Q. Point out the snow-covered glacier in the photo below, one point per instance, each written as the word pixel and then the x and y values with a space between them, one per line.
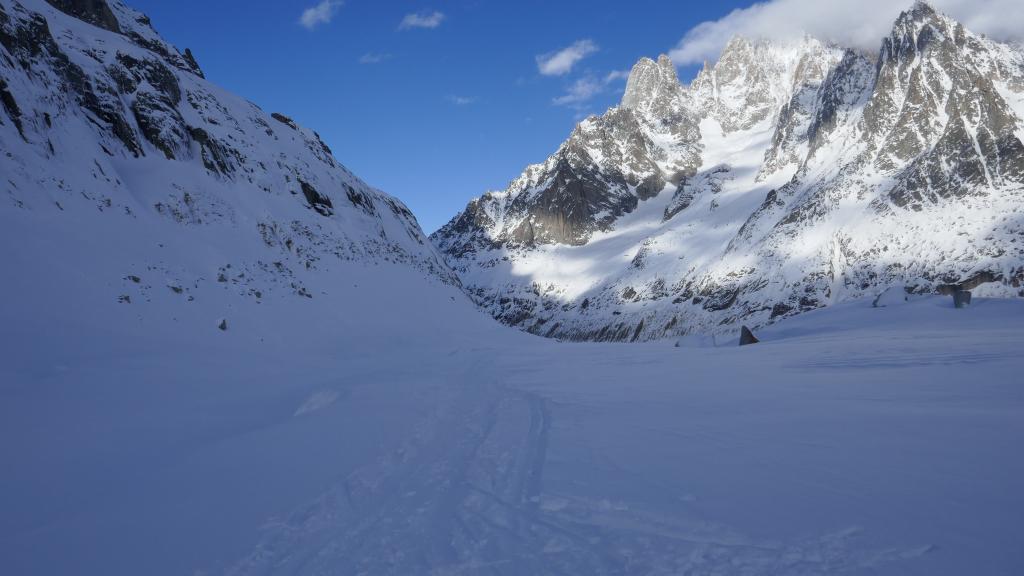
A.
pixel 221 353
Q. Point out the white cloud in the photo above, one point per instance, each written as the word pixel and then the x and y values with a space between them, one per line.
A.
pixel 422 20
pixel 322 13
pixel 374 58
pixel 616 75
pixel 461 100
pixel 853 23
pixel 561 62
pixel 580 92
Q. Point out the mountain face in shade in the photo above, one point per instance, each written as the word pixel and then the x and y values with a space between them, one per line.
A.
pixel 786 177
pixel 112 136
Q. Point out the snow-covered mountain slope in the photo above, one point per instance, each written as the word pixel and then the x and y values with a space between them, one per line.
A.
pixel 132 185
pixel 786 177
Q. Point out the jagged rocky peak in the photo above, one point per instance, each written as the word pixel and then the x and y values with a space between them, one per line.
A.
pixel 805 174
pixel 920 14
pixel 938 105
pixel 754 77
pixel 652 86
pixel 104 122
pixel 608 165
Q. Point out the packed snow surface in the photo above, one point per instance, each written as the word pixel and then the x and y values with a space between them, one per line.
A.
pixel 222 353
pixel 416 436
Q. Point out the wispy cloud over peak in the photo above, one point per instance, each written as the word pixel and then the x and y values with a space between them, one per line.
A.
pixel 617 75
pixel 582 91
pixel 561 62
pixel 857 24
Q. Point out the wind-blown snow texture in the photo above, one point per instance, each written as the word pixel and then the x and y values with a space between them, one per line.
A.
pixel 784 178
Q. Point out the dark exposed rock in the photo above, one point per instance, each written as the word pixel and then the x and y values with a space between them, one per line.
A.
pixel 317 201
pixel 285 120
pixel 155 106
pixel 710 181
pixel 155 73
pixel 95 12
pixel 844 86
pixel 29 41
pixel 567 210
pixel 636 333
pixel 191 61
pixel 161 124
pixel 961 299
pixel 747 337
pixel 970 283
pixel 359 200
pixel 215 155
pixel 780 309
pixel 11 107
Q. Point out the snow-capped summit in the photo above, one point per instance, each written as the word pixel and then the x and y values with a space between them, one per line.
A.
pixel 754 78
pixel 653 87
pixel 790 176
pixel 607 166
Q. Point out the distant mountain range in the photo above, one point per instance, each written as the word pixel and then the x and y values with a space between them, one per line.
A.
pixel 786 177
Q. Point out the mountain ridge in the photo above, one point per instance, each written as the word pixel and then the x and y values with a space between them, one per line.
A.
pixel 809 174
pixel 112 135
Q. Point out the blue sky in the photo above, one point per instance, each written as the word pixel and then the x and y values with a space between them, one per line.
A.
pixel 433 115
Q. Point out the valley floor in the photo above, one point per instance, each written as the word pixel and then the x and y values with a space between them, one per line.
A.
pixel 851 441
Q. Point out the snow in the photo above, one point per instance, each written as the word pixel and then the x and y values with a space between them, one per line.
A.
pixel 372 432
pixel 694 238
pixel 359 415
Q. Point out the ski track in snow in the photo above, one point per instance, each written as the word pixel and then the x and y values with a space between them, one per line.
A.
pixel 853 440
pixel 356 414
pixel 468 493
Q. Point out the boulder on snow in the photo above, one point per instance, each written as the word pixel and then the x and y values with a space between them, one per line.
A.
pixel 223 324
pixel 747 337
pixel 892 296
pixel 962 298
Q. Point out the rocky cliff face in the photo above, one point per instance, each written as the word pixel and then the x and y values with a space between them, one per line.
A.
pixel 110 133
pixel 604 170
pixel 796 175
